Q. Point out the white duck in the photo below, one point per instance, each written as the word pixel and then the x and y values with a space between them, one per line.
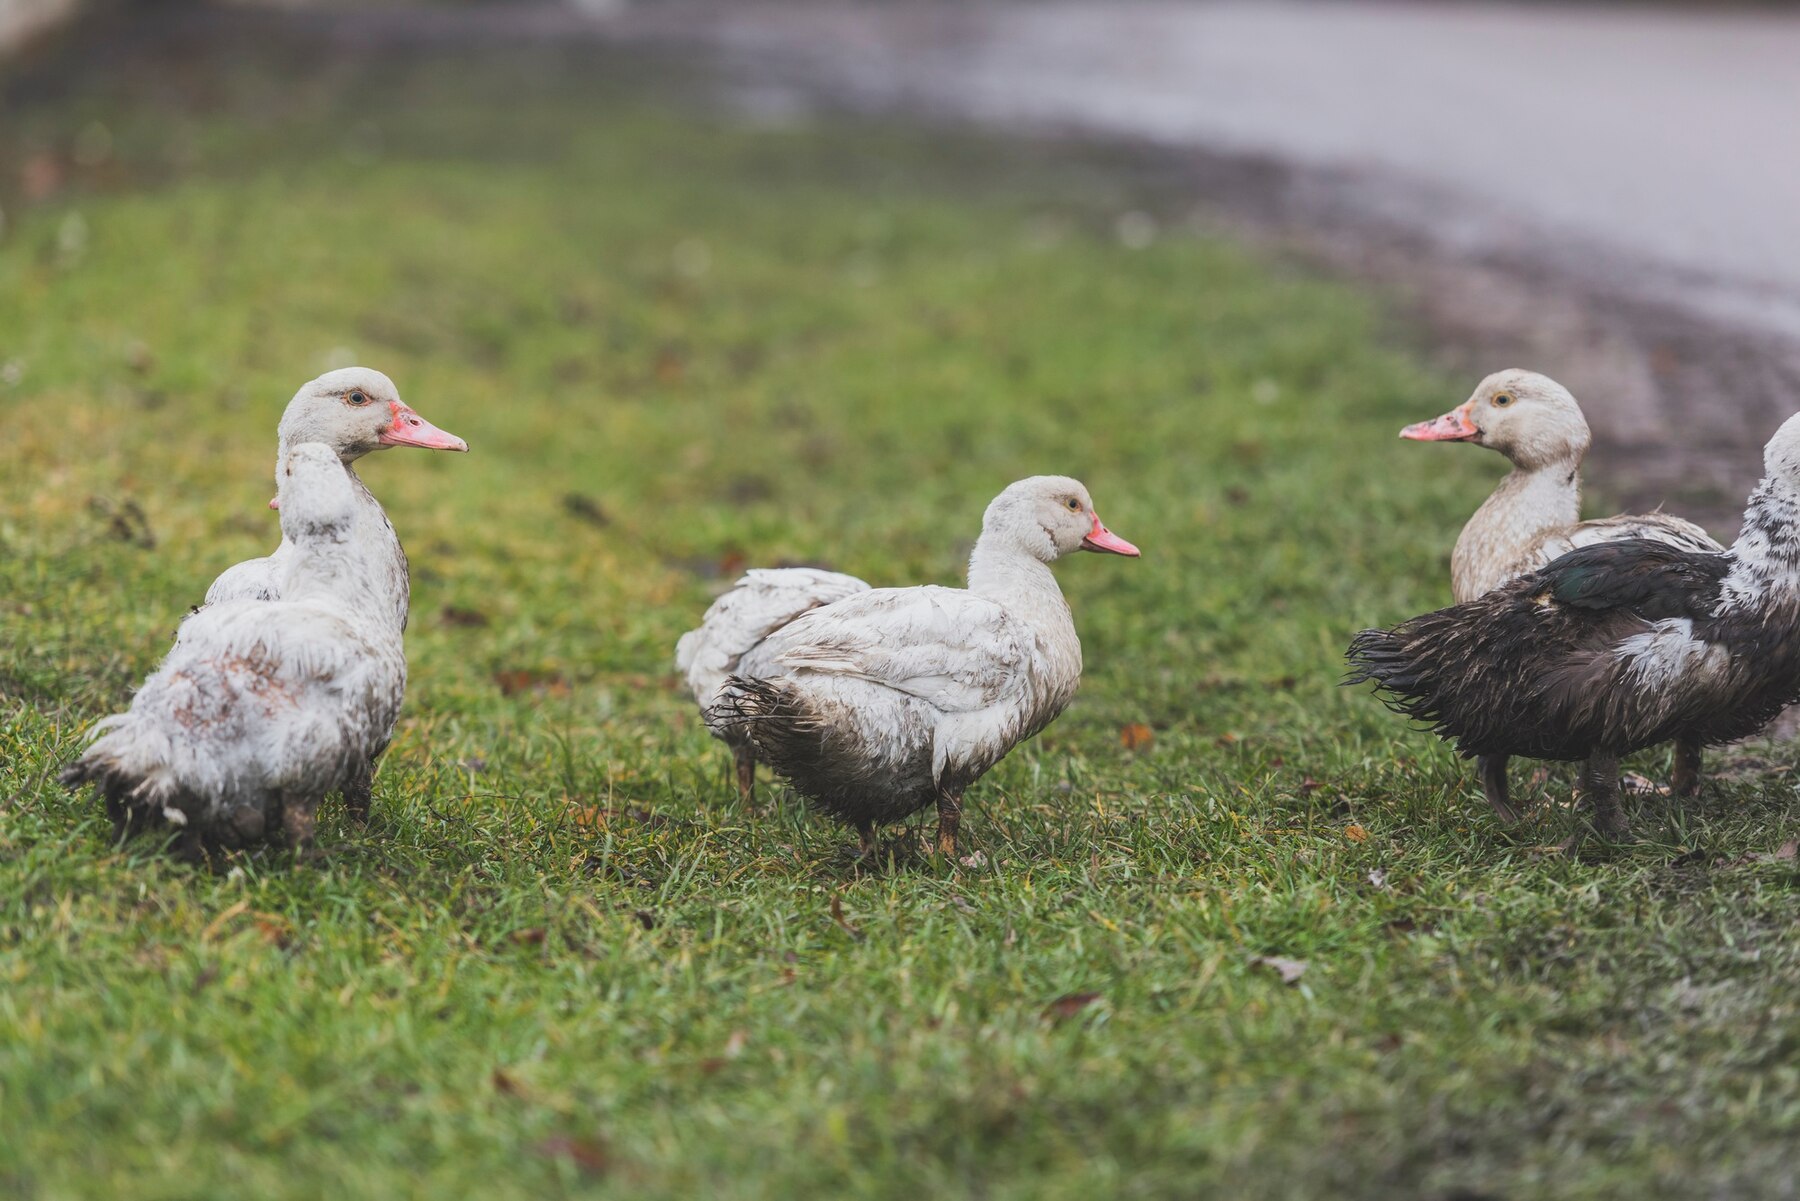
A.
pixel 263 707
pixel 897 698
pixel 356 411
pixel 760 603
pixel 1534 515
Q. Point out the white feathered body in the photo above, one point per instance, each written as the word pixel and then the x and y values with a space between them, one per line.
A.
pixel 262 703
pixel 757 605
pixel 875 704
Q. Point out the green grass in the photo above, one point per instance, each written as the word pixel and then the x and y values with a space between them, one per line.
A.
pixel 563 959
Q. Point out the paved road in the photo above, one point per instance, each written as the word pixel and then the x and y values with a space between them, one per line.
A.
pixel 1670 140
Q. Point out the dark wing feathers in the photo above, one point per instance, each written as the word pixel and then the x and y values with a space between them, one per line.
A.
pixel 1652 579
pixel 1532 668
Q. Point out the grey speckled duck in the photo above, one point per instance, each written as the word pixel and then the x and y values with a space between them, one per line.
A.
pixel 1534 515
pixel 264 706
pixel 1613 647
pixel 356 411
pixel 891 700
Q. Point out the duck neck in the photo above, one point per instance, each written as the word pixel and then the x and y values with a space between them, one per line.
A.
pixel 1024 586
pixel 1765 559
pixel 1528 502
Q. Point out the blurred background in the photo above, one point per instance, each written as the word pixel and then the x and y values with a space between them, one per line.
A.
pixel 1604 192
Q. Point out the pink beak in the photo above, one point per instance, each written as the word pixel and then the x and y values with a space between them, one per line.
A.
pixel 1453 426
pixel 1106 542
pixel 410 429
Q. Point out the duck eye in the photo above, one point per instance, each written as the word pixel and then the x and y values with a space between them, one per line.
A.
pixel 1502 399
pixel 357 397
pixel 1074 505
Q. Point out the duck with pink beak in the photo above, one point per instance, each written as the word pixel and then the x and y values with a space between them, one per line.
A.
pixel 1534 514
pixel 355 411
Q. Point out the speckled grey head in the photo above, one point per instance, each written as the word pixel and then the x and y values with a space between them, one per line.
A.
pixel 1050 516
pixel 1529 418
pixel 1781 457
pixel 356 411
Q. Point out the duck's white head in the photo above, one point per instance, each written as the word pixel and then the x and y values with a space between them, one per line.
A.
pixel 1529 418
pixel 356 411
pixel 1049 516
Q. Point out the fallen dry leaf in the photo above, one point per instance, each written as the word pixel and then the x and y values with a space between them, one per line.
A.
pixel 505 1085
pixel 1136 736
pixel 275 930
pixel 837 915
pixel 1641 785
pixel 1356 833
pixel 1069 1005
pixel 586 508
pixel 588 1154
pixel 1290 970
pixel 462 618
pixel 513 681
pixel 532 937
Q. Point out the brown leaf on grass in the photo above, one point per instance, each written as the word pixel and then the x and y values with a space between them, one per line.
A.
pixel 590 1155
pixel 513 681
pixel 1290 970
pixel 275 930
pixel 645 918
pixel 464 619
pixel 1781 854
pixel 595 817
pixel 1136 736
pixel 125 521
pixel 1069 1005
pixel 837 915
pixel 1356 833
pixel 670 365
pixel 41 176
pixel 505 1085
pixel 582 507
pixel 531 937
pixel 1308 786
pixel 1641 785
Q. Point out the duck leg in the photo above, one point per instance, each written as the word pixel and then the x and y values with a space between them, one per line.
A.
pixel 1493 786
pixel 949 807
pixel 745 758
pixel 1686 778
pixel 359 792
pixel 867 842
pixel 1600 784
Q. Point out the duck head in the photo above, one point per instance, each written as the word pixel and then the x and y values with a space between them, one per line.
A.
pixel 1781 457
pixel 356 411
pixel 1049 516
pixel 1529 418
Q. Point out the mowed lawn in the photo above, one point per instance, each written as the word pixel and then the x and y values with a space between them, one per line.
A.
pixel 564 959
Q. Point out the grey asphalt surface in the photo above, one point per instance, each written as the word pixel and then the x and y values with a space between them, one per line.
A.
pixel 1658 139
pixel 1610 194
